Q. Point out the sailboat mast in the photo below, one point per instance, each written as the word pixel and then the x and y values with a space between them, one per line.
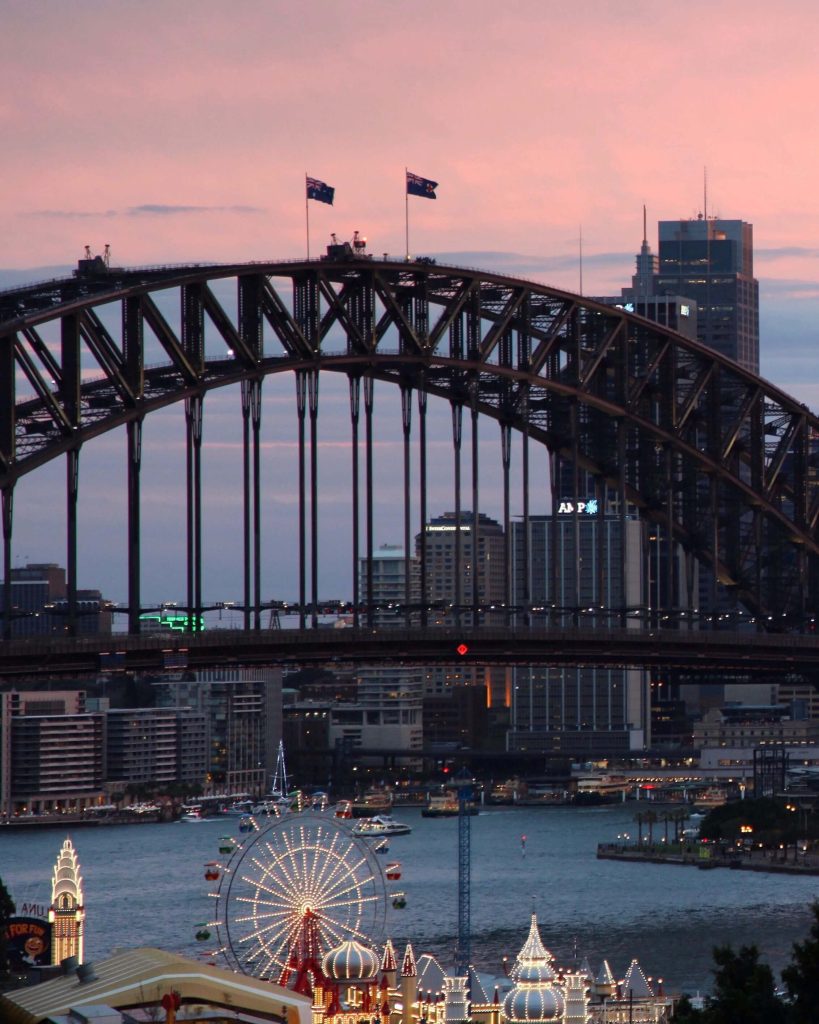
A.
pixel 280 785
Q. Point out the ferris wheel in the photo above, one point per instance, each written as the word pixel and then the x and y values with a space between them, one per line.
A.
pixel 294 890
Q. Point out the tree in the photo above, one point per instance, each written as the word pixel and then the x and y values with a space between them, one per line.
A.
pixel 801 976
pixel 684 1012
pixel 651 819
pixel 7 909
pixel 744 991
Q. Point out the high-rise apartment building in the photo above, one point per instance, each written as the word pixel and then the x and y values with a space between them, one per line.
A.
pixel 388 712
pixel 39 603
pixel 51 752
pixel 464 570
pixel 243 708
pixel 156 745
pixel 575 568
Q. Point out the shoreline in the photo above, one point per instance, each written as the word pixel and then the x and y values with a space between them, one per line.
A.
pixel 39 822
pixel 755 861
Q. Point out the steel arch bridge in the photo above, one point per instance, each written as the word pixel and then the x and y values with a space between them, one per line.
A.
pixel 721 461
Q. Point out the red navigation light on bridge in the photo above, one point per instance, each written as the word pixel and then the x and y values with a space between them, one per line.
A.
pixel 462 649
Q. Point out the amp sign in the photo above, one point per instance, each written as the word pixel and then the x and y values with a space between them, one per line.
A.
pixel 589 507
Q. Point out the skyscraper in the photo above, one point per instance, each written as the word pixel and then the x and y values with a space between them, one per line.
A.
pixel 712 262
pixel 464 570
pixel 389 712
pixel 580 711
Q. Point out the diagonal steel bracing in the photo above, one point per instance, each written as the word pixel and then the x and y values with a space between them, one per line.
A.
pixel 724 461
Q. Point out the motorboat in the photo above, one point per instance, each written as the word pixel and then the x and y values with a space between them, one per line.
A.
pixel 239 808
pixel 379 826
pixel 192 813
pixel 271 807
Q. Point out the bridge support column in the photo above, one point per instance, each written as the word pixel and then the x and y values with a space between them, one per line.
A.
pixel 714 590
pixel 621 500
pixel 422 471
pixel 251 417
pixel 246 505
pixel 313 389
pixel 527 571
pixel 368 496
pixel 301 409
pixel 576 515
pixel 193 422
pixel 475 514
pixel 355 409
pixel 72 491
pixel 8 518
pixel 602 547
pixel 406 426
pixel 134 442
pixel 457 437
pixel 671 581
pixel 554 469
pixel 506 461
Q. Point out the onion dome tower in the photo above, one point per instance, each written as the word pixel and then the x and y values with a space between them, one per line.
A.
pixel 535 997
pixel 350 976
pixel 351 963
pixel 67 911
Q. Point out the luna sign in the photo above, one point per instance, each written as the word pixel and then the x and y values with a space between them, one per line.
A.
pixel 589 507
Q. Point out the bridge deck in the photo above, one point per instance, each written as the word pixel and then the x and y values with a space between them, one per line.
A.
pixel 751 654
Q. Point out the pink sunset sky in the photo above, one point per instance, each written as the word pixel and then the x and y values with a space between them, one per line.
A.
pixel 182 131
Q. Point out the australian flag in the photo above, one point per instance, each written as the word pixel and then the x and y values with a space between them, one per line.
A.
pixel 418 186
pixel 320 190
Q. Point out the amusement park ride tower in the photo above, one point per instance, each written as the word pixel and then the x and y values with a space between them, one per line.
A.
pixel 67 912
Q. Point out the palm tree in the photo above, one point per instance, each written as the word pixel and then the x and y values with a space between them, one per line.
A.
pixel 651 820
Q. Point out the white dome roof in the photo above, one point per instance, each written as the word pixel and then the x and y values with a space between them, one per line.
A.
pixel 534 998
pixel 533 972
pixel 534 962
pixel 528 1005
pixel 351 962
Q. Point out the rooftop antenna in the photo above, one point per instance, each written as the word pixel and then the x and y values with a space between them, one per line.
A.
pixel 705 193
pixel 645 232
pixel 580 254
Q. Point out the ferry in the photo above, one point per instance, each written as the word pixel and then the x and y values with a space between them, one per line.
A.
pixel 378 827
pixel 445 806
pixel 376 801
pixel 600 788
pixel 713 796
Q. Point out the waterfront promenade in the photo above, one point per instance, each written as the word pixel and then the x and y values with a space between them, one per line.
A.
pixel 705 857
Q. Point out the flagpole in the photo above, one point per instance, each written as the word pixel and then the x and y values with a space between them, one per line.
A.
pixel 406 205
pixel 307 214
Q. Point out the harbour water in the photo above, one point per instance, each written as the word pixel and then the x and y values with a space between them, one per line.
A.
pixel 144 885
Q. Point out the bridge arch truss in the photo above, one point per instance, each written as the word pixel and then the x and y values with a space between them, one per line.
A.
pixel 723 462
